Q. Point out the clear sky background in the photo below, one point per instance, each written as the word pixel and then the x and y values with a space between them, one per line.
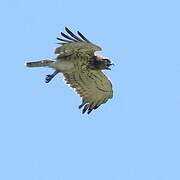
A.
pixel 135 136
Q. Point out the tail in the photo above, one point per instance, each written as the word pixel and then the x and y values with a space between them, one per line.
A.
pixel 42 63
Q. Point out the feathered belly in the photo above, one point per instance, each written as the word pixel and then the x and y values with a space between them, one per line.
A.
pixel 62 66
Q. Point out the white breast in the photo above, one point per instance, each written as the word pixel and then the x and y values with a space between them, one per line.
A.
pixel 63 65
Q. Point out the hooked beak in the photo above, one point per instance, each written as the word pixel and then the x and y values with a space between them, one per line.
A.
pixel 110 65
pixel 108 68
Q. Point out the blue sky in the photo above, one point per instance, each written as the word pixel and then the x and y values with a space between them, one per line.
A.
pixel 135 135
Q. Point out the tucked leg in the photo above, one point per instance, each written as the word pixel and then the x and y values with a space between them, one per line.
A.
pixel 49 77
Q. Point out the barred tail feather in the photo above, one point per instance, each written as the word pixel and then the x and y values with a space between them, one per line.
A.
pixel 42 63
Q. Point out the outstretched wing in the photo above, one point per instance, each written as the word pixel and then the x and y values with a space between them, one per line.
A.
pixel 74 45
pixel 92 85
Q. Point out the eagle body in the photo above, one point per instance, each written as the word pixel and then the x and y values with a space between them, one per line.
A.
pixel 62 66
pixel 81 69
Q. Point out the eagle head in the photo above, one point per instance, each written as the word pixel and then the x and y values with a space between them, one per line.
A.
pixel 101 63
pixel 106 63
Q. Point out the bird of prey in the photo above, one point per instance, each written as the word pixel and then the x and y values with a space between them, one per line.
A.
pixel 82 69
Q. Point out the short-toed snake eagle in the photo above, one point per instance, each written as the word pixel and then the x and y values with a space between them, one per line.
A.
pixel 82 69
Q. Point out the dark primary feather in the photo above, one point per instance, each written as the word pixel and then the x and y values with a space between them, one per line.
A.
pixel 63 40
pixel 73 37
pixel 82 36
pixel 68 37
pixel 82 104
pixel 89 111
pixel 85 109
pixel 72 34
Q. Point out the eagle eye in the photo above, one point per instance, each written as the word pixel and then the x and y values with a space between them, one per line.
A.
pixel 107 62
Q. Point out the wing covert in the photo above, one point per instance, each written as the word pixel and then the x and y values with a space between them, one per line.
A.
pixel 92 85
pixel 74 45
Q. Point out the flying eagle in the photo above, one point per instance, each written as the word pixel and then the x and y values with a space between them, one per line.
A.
pixel 82 69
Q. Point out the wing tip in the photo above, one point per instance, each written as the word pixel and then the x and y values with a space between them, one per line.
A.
pixel 73 37
pixel 86 107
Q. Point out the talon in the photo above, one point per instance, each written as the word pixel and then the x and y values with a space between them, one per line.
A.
pixel 48 78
